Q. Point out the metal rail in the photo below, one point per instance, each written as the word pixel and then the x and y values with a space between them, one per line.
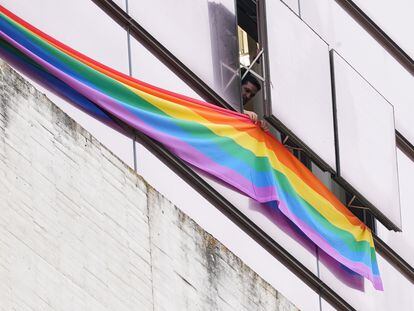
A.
pixel 387 252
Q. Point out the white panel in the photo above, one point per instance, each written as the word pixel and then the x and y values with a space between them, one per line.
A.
pixel 403 242
pixel 300 80
pixel 397 294
pixel 395 18
pixel 158 175
pixel 201 34
pixel 86 28
pixel 366 139
pixel 366 55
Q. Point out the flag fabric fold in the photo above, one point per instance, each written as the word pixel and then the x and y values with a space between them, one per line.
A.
pixel 223 143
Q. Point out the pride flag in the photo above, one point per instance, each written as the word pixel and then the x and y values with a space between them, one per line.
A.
pixel 223 143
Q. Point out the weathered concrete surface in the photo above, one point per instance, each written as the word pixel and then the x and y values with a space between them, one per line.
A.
pixel 80 231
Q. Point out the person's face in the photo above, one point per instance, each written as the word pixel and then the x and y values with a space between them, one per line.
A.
pixel 248 90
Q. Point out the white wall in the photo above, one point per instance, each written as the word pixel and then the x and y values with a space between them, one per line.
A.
pixel 394 18
pixel 293 5
pixel 375 65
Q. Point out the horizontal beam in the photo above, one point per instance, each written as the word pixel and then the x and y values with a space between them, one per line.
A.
pixel 378 34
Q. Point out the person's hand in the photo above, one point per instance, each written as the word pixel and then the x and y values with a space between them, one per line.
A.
pixel 252 115
pixel 264 125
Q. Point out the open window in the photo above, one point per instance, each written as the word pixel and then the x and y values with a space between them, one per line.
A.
pixel 250 53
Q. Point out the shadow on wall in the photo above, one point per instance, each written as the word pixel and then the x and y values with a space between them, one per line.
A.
pixel 22 63
pixel 342 273
pixel 271 211
pixel 225 53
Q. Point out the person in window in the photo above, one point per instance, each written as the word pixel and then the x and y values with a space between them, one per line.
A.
pixel 249 88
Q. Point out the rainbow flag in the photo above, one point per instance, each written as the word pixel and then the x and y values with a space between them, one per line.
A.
pixel 223 143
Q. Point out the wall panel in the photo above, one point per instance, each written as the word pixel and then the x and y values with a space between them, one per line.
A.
pixel 78 23
pixel 366 140
pixel 300 80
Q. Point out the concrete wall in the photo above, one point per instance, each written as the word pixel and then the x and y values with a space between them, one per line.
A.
pixel 79 230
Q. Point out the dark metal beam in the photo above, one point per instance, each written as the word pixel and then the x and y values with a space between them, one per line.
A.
pixel 405 145
pixel 378 34
pixel 391 256
pixel 247 17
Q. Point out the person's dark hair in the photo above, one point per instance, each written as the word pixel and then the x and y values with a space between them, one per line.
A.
pixel 250 78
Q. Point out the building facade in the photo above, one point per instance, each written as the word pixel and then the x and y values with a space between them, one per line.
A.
pixel 337 89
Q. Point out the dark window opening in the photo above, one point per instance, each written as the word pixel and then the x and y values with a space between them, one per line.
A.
pixel 247 17
pixel 250 53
